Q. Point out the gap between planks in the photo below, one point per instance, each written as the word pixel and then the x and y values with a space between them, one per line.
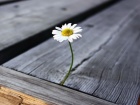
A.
pixel 5 2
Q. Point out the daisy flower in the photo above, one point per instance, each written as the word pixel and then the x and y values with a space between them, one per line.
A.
pixel 67 32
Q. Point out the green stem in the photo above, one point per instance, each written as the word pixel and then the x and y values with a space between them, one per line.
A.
pixel 67 75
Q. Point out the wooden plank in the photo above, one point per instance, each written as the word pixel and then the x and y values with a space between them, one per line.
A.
pixel 12 97
pixel 53 63
pixel 9 100
pixel 112 73
pixel 46 91
pixel 22 20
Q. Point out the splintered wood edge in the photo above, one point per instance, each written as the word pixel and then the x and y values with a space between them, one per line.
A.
pixel 13 97
pixel 29 90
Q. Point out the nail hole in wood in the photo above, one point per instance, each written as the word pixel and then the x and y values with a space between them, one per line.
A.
pixel 64 9
pixel 16 6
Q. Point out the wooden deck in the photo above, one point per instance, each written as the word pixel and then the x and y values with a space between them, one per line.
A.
pixel 106 69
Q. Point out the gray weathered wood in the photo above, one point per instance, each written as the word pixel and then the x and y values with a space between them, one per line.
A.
pixel 99 56
pixel 50 58
pixel 22 20
pixel 112 73
pixel 46 91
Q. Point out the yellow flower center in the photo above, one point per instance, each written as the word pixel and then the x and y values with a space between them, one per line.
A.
pixel 67 32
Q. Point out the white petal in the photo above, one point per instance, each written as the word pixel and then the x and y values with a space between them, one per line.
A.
pixel 56 32
pixel 60 38
pixel 64 26
pixel 69 25
pixel 65 37
pixel 58 28
pixel 78 30
pixel 70 39
pixel 77 35
pixel 73 37
pixel 73 26
pixel 56 36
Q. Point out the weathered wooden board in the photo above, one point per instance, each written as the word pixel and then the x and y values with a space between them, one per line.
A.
pixel 24 19
pixel 12 97
pixel 52 54
pixel 46 91
pixel 112 73
pixel 102 47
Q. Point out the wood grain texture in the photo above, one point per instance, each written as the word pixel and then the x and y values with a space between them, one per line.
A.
pixel 24 19
pixel 46 91
pixel 9 100
pixel 112 73
pixel 106 58
pixel 42 60
pixel 12 97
